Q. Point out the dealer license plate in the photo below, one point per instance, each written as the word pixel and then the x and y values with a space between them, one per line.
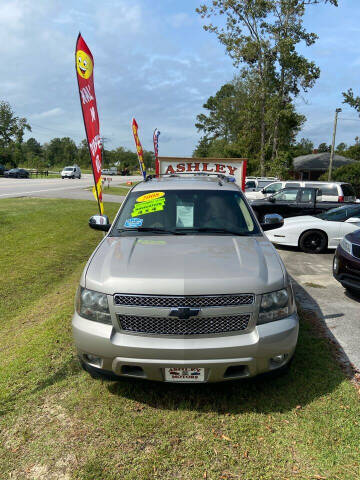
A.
pixel 184 374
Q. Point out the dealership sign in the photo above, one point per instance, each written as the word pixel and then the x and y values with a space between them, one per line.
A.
pixel 230 167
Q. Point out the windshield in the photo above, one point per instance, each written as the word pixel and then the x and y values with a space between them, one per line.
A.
pixel 340 214
pixel 183 212
pixel 68 169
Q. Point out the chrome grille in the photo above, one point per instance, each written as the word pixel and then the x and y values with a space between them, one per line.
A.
pixel 194 301
pixel 176 326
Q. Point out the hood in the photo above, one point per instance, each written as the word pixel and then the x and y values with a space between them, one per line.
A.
pixel 185 265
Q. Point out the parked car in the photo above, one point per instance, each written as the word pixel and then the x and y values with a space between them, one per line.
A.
pixel 2 169
pixel 331 191
pixel 291 202
pixel 185 287
pixel 314 234
pixel 17 173
pixel 109 171
pixel 346 264
pixel 254 184
pixel 71 172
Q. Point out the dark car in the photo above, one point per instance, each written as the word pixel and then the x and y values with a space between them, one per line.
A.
pixel 17 173
pixel 292 202
pixel 346 264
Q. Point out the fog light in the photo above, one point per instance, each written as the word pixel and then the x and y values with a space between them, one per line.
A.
pixel 279 358
pixel 93 360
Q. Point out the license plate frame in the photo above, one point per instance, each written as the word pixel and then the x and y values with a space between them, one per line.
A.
pixel 184 374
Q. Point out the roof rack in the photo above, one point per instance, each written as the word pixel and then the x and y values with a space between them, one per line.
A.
pixel 202 174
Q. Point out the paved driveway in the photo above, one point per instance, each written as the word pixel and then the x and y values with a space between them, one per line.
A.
pixel 318 291
pixel 58 188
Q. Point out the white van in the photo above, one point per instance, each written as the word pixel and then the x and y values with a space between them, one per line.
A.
pixel 330 191
pixel 254 184
pixel 71 172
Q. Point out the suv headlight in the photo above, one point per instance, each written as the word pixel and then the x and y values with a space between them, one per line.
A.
pixel 276 305
pixel 92 305
pixel 346 245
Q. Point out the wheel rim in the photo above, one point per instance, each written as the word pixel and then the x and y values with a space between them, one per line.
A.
pixel 313 242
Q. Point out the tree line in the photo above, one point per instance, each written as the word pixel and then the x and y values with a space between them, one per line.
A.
pixel 58 152
pixel 254 115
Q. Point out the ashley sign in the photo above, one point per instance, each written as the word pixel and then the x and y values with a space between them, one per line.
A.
pixel 231 167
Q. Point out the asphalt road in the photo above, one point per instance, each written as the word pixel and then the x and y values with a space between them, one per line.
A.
pixel 58 188
pixel 318 292
pixel 315 287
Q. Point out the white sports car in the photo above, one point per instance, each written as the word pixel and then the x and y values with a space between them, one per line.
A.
pixel 313 234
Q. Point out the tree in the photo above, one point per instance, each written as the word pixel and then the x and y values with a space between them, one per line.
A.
pixel 323 147
pixel 304 147
pixel 341 147
pixel 12 131
pixel 231 127
pixel 11 128
pixel 262 36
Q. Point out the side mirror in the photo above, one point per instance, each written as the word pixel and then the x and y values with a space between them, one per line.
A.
pixel 100 222
pixel 272 221
pixel 353 220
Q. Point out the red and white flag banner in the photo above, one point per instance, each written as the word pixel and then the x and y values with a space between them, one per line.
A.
pixel 84 64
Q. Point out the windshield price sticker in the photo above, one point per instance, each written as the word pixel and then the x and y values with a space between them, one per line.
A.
pixel 133 222
pixel 150 206
pixel 150 196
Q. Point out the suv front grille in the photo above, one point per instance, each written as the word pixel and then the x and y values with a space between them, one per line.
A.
pixel 356 250
pixel 193 301
pixel 176 326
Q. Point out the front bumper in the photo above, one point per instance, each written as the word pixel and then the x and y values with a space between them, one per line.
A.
pixel 224 357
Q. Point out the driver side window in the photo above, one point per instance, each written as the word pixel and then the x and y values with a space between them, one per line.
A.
pixel 272 188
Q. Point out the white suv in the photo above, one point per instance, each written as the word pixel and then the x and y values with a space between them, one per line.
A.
pixel 330 191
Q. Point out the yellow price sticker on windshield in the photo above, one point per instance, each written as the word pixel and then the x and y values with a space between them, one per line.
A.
pixel 150 196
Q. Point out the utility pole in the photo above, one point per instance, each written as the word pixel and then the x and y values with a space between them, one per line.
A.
pixel 337 111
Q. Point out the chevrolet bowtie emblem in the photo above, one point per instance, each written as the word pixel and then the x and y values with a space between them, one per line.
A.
pixel 184 313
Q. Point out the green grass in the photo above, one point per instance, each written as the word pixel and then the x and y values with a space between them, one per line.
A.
pixel 58 423
pixel 116 190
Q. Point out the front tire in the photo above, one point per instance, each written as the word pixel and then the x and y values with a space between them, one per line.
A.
pixel 313 241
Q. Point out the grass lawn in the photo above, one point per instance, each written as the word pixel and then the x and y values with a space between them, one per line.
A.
pixel 116 190
pixel 56 422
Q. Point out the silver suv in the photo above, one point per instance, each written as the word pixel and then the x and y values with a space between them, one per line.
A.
pixel 71 172
pixel 185 287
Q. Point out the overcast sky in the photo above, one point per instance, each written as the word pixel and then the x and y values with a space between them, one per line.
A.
pixel 153 61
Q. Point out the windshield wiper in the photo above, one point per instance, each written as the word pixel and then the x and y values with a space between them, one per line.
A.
pixel 150 229
pixel 221 230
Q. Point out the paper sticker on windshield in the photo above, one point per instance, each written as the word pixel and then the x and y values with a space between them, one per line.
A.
pixel 133 222
pixel 150 206
pixel 150 196
pixel 185 216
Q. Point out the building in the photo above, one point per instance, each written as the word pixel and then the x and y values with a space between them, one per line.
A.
pixel 310 167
